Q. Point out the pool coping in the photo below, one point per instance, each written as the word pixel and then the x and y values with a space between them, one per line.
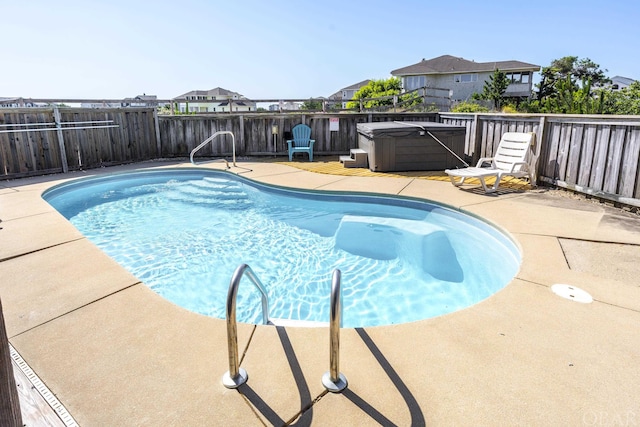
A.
pixel 523 356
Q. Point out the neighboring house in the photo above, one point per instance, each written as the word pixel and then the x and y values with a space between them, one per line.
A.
pixel 218 101
pixel 143 100
pixel 619 82
pixel 284 105
pixel 463 78
pixel 346 94
pixel 15 103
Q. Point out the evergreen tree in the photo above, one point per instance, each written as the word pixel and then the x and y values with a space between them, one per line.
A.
pixel 495 88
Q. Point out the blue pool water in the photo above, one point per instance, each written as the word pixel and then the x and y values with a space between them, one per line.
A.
pixel 183 232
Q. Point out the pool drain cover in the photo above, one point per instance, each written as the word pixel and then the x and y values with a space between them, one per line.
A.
pixel 572 293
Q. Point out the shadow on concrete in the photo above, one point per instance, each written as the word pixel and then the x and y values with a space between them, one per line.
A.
pixel 302 418
pixel 305 416
pixel 417 418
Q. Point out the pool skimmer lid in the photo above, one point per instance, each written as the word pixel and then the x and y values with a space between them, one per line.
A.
pixel 572 293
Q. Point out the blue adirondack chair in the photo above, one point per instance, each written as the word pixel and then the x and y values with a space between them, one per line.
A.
pixel 301 142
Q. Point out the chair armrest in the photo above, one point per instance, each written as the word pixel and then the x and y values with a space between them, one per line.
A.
pixel 484 159
pixel 525 164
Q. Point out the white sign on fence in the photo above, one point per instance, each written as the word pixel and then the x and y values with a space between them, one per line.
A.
pixel 334 124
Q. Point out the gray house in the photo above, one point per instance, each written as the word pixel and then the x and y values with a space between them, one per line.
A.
pixel 345 94
pixel 619 82
pixel 463 78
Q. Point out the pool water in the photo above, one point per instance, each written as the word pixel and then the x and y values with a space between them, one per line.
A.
pixel 183 233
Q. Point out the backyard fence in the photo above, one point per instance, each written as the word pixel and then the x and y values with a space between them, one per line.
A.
pixel 266 134
pixel 597 155
pixel 38 141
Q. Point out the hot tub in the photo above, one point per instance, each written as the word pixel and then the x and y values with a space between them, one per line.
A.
pixel 407 146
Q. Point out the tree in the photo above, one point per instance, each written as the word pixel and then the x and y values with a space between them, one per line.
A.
pixel 385 90
pixel 625 101
pixel 495 88
pixel 311 104
pixel 571 99
pixel 579 71
pixel 571 85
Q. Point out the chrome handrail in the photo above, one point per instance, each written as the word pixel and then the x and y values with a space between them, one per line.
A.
pixel 333 380
pixel 237 376
pixel 206 141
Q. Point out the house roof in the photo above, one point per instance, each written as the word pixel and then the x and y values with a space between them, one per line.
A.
pixel 218 91
pixel 447 64
pixel 624 80
pixel 142 98
pixel 355 86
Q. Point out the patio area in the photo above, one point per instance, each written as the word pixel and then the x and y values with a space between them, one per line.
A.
pixel 115 353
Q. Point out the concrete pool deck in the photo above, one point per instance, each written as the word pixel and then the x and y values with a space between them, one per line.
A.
pixel 115 353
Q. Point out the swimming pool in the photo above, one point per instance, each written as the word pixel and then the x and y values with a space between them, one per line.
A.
pixel 183 232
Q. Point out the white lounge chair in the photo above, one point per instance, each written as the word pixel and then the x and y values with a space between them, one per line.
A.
pixel 509 160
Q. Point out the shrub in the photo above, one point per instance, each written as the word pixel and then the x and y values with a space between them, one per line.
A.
pixel 468 107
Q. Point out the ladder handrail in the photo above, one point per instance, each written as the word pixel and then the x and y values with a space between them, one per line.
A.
pixel 206 141
pixel 333 380
pixel 237 376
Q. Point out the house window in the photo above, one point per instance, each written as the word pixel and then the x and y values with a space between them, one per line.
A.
pixel 414 82
pixel 465 78
pixel 519 77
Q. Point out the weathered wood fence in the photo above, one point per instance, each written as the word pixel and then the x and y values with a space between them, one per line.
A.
pixel 597 155
pixel 38 141
pixel 262 134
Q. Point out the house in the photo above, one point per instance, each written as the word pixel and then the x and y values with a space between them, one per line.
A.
pixel 346 94
pixel 285 106
pixel 463 78
pixel 16 103
pixel 619 82
pixel 143 100
pixel 213 101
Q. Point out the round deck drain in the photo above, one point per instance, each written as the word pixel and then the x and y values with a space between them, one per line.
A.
pixel 572 293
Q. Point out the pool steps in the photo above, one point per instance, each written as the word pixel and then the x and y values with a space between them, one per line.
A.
pixel 357 158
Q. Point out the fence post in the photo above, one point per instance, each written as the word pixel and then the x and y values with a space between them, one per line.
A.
pixel 63 153
pixel 156 122
pixel 538 148
pixel 241 136
pixel 477 138
pixel 9 402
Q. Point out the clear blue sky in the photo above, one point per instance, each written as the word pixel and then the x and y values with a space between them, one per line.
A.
pixel 286 48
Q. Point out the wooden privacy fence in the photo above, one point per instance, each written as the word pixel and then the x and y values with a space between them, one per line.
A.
pixel 597 155
pixel 38 141
pixel 261 134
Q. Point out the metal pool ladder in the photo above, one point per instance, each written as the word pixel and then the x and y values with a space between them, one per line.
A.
pixel 237 376
pixel 332 380
pixel 211 138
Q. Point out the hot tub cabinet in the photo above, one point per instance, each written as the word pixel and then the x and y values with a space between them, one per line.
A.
pixel 407 146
